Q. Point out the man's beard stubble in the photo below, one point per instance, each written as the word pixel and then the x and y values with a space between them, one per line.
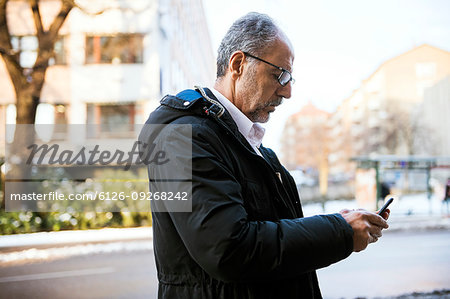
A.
pixel 259 115
pixel 250 87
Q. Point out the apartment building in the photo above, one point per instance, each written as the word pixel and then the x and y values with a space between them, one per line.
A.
pixel 434 116
pixel 304 142
pixel 383 116
pixel 112 68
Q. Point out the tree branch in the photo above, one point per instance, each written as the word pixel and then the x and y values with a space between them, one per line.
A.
pixel 10 56
pixel 5 38
pixel 74 4
pixel 110 7
pixel 60 18
pixel 34 4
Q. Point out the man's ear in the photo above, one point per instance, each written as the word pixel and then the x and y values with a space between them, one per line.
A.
pixel 236 64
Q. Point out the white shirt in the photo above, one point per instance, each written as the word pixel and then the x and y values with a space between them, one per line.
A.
pixel 252 132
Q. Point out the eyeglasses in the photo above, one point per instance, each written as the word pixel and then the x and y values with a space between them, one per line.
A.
pixel 284 78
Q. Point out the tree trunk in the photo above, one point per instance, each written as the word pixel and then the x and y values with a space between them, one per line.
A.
pixel 27 85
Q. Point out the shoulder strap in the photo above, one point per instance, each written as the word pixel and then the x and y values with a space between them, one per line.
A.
pixel 214 103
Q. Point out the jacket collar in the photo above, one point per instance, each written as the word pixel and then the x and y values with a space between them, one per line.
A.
pixel 253 132
pixel 192 102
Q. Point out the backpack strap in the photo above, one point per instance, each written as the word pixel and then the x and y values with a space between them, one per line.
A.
pixel 189 97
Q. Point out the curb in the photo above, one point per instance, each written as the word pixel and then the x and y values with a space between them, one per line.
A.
pixel 61 238
pixel 104 235
pixel 419 223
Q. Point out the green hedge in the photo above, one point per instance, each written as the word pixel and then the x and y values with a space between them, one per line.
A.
pixel 73 216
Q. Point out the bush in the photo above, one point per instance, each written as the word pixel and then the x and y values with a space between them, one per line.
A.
pixel 74 215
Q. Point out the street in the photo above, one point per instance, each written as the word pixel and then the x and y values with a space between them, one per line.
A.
pixel 399 263
pixel 101 275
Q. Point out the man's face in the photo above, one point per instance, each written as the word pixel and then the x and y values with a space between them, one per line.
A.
pixel 259 92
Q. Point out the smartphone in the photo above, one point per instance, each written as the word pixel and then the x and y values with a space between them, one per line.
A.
pixel 385 206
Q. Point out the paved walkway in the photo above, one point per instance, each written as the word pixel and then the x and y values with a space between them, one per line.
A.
pixel 412 212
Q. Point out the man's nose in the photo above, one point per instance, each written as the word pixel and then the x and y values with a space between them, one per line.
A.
pixel 285 91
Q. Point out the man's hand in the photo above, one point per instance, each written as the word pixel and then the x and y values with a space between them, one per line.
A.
pixel 366 226
pixel 386 214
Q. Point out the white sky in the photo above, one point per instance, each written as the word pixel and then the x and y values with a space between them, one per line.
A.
pixel 337 43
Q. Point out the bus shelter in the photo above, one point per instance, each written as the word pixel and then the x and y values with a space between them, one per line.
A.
pixel 391 162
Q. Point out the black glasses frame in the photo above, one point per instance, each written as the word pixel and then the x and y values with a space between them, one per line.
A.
pixel 283 71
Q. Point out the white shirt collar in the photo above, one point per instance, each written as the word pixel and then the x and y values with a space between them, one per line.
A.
pixel 253 132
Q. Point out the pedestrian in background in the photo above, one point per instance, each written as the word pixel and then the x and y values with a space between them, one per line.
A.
pixel 447 195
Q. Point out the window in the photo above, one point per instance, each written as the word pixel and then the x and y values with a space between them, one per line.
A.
pixel 52 118
pixel 115 120
pixel 27 47
pixel 60 53
pixel 60 114
pixel 121 48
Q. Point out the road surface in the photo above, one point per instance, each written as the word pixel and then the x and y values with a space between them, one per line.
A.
pixel 399 263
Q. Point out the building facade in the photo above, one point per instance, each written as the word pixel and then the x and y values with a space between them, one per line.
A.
pixel 112 68
pixel 304 138
pixel 434 115
pixel 383 116
pixel 401 107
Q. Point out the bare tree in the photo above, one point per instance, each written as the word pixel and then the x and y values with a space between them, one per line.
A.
pixel 28 83
pixel 402 130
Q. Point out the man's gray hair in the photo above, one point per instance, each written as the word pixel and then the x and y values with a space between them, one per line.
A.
pixel 253 33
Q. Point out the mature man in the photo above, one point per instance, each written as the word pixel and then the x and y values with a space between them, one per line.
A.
pixel 246 236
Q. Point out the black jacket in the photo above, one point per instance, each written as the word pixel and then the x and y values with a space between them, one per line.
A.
pixel 246 236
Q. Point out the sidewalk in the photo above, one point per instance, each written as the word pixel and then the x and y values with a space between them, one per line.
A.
pixel 67 238
pixel 47 246
pixel 108 235
pixel 418 223
pixel 407 213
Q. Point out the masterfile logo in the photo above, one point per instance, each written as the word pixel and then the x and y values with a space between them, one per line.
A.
pixel 49 167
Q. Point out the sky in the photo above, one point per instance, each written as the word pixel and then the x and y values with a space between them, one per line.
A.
pixel 337 44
